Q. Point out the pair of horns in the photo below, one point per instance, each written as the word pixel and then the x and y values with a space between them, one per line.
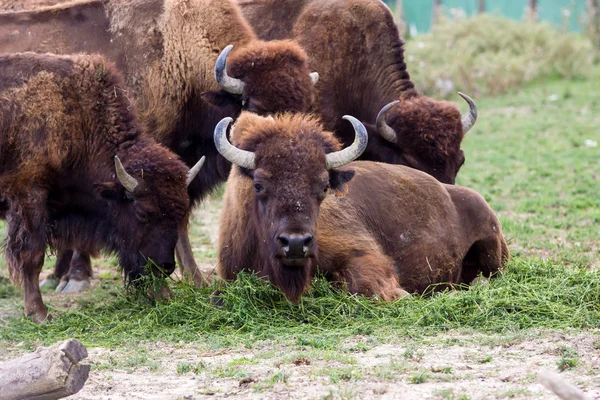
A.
pixel 130 183
pixel 389 134
pixel 247 159
pixel 233 85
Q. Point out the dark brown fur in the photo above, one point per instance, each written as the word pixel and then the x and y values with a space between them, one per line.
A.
pixel 167 50
pixel 276 75
pixel 386 230
pixel 62 121
pixel 355 46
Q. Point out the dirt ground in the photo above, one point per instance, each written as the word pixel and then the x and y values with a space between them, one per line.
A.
pixel 442 367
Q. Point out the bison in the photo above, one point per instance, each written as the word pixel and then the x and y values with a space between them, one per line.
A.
pixel 356 48
pixel 167 50
pixel 295 204
pixel 78 171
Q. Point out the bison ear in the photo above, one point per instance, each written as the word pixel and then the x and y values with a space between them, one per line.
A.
pixel 338 179
pixel 108 190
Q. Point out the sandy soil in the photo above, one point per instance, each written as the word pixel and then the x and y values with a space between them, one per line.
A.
pixel 451 366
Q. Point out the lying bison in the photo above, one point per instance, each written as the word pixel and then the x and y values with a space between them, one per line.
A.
pixel 167 50
pixel 355 46
pixel 383 231
pixel 79 172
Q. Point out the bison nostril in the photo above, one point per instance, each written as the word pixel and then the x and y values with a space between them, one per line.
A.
pixel 308 240
pixel 284 240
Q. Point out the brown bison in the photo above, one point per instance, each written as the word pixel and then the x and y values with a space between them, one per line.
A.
pixel 167 50
pixel 77 170
pixel 384 230
pixel 356 48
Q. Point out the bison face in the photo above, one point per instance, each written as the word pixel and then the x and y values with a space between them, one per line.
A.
pixel 148 206
pixel 289 168
pixel 424 134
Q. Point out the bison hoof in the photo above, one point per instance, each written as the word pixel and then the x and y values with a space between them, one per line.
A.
pixel 40 316
pixel 216 299
pixel 51 282
pixel 401 294
pixel 73 286
pixel 480 280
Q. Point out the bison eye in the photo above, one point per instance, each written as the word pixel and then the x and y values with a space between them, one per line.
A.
pixel 325 189
pixel 258 187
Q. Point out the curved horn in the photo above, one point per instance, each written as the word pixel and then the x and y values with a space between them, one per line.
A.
pixel 314 77
pixel 241 158
pixel 386 131
pixel 352 152
pixel 227 83
pixel 194 171
pixel 469 120
pixel 128 181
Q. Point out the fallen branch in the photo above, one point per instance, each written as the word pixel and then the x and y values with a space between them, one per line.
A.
pixel 560 387
pixel 47 374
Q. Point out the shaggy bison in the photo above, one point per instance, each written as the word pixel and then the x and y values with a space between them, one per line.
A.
pixel 356 48
pixel 385 230
pixel 167 50
pixel 77 170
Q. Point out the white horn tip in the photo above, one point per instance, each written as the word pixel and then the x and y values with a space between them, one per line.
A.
pixel 314 76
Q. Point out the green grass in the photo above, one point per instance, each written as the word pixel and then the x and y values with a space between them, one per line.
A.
pixel 531 293
pixel 528 157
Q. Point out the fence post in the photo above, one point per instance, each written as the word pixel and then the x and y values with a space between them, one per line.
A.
pixel 593 21
pixel 399 17
pixel 437 4
pixel 532 11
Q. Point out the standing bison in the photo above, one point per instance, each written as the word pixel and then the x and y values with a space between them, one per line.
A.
pixel 77 170
pixel 167 50
pixel 355 47
pixel 384 231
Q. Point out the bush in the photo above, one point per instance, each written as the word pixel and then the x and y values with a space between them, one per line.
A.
pixel 488 55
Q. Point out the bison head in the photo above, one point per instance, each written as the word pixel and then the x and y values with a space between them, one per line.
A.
pixel 270 76
pixel 147 206
pixel 425 134
pixel 288 164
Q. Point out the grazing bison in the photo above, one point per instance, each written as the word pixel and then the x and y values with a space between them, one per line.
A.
pixel 77 170
pixel 384 231
pixel 356 48
pixel 167 50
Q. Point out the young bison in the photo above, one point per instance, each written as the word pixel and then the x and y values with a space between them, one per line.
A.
pixel 384 231
pixel 77 171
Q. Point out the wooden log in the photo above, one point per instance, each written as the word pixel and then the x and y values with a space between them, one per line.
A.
pixel 560 387
pixel 47 374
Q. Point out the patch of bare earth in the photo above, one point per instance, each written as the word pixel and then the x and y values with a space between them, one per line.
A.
pixel 442 367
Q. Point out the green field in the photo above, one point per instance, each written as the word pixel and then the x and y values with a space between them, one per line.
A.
pixel 533 155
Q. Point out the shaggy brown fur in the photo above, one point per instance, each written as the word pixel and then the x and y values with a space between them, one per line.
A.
pixel 284 66
pixel 167 50
pixel 392 230
pixel 62 121
pixel 355 47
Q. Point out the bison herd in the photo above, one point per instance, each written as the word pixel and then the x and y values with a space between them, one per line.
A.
pixel 117 117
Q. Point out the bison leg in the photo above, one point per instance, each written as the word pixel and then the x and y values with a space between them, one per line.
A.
pixel 79 275
pixel 63 262
pixel 485 257
pixel 373 275
pixel 34 305
pixel 25 247
pixel 185 257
